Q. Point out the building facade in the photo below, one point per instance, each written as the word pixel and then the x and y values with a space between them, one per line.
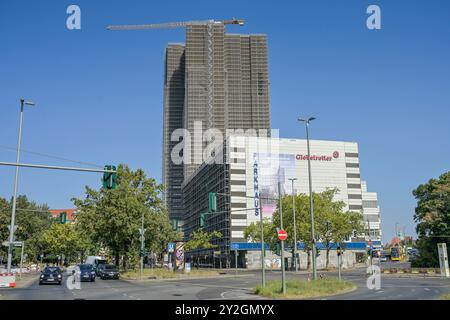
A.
pixel 214 81
pixel 252 168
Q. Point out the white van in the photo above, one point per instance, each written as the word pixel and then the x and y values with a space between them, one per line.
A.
pixel 95 260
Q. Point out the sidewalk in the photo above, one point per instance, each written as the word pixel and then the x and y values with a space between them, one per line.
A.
pixel 27 279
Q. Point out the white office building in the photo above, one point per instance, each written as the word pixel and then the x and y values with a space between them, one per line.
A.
pixel 256 164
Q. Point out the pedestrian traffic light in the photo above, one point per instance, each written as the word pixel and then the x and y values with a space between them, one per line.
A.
pixel 278 248
pixel 63 217
pixel 317 252
pixel 203 217
pixel 212 202
pixel 109 178
pixel 339 250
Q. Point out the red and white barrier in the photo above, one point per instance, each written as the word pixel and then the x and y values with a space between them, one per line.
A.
pixel 7 280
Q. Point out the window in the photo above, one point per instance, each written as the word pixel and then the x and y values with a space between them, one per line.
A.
pixel 352 165
pixel 351 155
pixel 353 175
pixel 370 204
pixel 353 186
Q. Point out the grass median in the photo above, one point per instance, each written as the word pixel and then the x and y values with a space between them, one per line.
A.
pixel 303 289
pixel 158 273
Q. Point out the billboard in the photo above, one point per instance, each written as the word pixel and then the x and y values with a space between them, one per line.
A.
pixel 268 169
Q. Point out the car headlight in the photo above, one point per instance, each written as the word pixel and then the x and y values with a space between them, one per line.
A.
pixel 92 272
pixel 59 276
pixel 42 276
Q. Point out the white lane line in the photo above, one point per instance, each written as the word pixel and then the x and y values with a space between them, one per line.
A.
pixel 426 289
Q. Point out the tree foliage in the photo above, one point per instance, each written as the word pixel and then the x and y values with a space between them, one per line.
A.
pixel 432 215
pixel 325 210
pixel 63 239
pixel 201 240
pixel 32 220
pixel 112 218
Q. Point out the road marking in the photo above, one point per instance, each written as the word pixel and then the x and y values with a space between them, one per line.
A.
pixel 426 289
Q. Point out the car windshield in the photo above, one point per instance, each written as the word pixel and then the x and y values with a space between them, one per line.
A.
pixel 110 268
pixel 51 269
pixel 85 267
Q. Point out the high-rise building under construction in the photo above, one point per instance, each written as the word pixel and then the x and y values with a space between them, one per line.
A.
pixel 217 80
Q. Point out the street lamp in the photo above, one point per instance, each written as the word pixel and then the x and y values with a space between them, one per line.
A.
pixel 23 103
pixel 295 225
pixel 311 204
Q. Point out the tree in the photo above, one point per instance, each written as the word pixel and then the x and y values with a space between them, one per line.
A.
pixel 202 240
pixel 432 215
pixel 63 239
pixel 325 210
pixel 112 218
pixel 32 220
pixel 253 232
pixel 334 225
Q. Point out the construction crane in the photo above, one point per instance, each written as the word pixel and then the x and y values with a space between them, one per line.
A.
pixel 172 25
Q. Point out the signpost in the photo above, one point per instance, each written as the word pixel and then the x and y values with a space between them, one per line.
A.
pixel 170 251
pixel 443 260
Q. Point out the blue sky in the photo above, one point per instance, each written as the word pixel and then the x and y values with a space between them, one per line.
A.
pixel 99 93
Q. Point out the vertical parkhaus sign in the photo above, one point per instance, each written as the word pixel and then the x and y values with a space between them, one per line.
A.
pixel 256 187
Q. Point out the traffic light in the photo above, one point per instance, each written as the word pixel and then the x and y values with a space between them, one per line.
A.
pixel 278 248
pixel 203 217
pixel 328 226
pixel 63 217
pixel 174 224
pixel 339 251
pixel 212 202
pixel 109 178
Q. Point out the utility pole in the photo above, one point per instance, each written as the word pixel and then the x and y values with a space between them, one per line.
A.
pixel 295 225
pixel 263 248
pixel 371 246
pixel 283 276
pixel 142 244
pixel 16 181
pixel 311 202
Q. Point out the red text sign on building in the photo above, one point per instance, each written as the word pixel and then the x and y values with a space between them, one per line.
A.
pixel 318 157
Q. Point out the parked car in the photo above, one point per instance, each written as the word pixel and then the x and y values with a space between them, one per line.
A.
pixel 87 272
pixel 108 271
pixel 51 275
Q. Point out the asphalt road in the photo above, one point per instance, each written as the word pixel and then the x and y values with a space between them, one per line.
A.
pixel 226 287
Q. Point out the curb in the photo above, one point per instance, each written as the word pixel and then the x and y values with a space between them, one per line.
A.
pixel 189 278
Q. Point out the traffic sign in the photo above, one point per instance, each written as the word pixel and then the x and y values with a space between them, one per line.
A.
pixel 234 246
pixel 282 235
pixel 171 247
pixel 15 243
pixel 15 228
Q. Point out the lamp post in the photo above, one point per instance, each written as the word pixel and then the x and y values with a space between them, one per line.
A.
pixel 13 212
pixel 311 202
pixel 295 225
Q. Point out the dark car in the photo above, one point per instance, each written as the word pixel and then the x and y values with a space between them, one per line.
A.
pixel 108 271
pixel 87 272
pixel 51 275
